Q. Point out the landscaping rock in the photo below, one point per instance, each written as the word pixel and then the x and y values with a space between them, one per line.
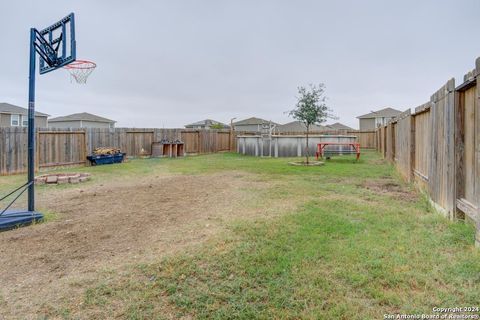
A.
pixel 62 178
pixel 40 180
pixel 52 179
pixel 74 180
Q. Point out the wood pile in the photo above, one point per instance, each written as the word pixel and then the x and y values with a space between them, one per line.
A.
pixel 104 151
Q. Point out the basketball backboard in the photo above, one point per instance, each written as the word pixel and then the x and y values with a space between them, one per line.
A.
pixel 56 44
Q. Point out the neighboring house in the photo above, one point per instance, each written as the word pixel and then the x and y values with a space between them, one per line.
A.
pixel 338 126
pixel 206 124
pixel 252 124
pixel 299 126
pixel 81 120
pixel 15 116
pixel 374 119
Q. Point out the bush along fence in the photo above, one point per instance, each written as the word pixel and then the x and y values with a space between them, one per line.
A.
pixel 438 148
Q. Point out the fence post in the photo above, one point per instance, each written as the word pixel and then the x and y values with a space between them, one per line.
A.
pixel 459 151
pixel 450 147
pixel 37 149
pixel 385 142
pixel 85 148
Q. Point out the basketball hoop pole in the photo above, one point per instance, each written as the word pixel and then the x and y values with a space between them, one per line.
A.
pixel 31 124
pixel 47 47
pixel 54 52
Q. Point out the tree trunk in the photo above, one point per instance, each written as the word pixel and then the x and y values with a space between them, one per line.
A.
pixel 306 150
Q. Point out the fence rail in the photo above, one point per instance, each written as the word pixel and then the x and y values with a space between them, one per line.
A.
pixel 438 148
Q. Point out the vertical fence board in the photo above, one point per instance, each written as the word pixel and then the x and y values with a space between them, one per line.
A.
pixel 422 145
pixel 403 144
pixel 442 156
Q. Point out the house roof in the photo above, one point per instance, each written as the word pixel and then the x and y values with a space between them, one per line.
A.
pixel 252 121
pixel 12 109
pixel 206 122
pixel 385 112
pixel 299 126
pixel 339 126
pixel 84 116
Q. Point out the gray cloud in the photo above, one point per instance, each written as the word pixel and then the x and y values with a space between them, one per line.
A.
pixel 168 63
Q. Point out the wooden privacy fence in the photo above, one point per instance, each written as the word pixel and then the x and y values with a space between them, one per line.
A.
pixel 438 148
pixel 60 147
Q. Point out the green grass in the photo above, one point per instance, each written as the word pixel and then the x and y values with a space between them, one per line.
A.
pixel 346 252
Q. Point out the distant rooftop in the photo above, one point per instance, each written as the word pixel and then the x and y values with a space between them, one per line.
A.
pixel 12 109
pixel 206 122
pixel 84 116
pixel 252 121
pixel 385 112
pixel 339 126
pixel 299 126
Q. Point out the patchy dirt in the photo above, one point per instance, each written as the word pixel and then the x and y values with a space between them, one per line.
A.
pixel 108 226
pixel 377 161
pixel 391 188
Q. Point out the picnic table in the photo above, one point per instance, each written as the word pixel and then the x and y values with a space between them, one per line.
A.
pixel 355 148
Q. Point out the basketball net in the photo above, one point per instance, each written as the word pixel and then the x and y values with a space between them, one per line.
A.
pixel 80 70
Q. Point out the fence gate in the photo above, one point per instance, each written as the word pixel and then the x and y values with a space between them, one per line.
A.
pixel 223 141
pixel 138 141
pixel 58 148
pixel 192 141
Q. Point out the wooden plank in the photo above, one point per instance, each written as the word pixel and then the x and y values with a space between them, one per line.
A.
pixel 412 148
pixel 422 146
pixel 403 145
pixel 62 147
pixel 423 108
pixel 469 209
pixel 442 157
pixel 459 147
pixel 420 175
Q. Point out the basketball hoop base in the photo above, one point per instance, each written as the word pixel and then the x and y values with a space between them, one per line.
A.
pixel 12 219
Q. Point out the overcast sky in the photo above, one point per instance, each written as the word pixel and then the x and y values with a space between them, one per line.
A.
pixel 169 63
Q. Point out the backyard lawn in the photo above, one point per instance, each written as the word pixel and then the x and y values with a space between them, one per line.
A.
pixel 225 236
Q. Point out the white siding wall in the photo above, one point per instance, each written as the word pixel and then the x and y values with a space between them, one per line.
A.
pixel 249 128
pixel 78 124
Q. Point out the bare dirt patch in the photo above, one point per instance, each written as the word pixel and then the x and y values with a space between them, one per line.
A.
pixel 391 188
pixel 377 161
pixel 111 225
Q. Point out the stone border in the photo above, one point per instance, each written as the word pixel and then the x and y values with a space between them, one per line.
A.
pixel 62 178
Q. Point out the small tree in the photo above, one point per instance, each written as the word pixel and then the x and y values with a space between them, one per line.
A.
pixel 217 126
pixel 311 108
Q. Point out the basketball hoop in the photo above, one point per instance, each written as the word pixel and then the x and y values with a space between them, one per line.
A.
pixel 80 70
